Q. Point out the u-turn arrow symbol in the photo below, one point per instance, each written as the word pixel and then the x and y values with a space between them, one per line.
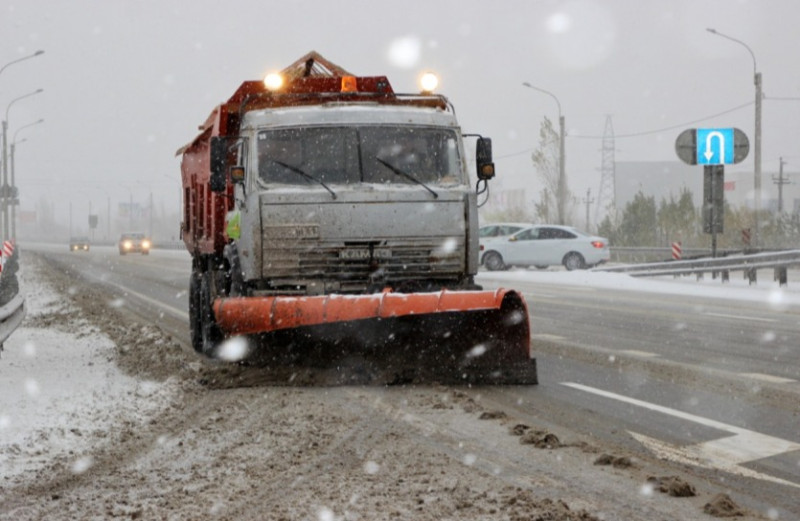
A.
pixel 709 153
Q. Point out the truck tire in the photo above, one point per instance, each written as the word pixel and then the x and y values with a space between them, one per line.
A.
pixel 210 334
pixel 194 311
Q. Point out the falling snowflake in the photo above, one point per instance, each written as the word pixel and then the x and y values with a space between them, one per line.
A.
pixel 478 350
pixel 234 349
pixel 81 465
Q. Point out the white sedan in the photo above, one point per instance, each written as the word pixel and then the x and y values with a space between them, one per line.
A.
pixel 545 245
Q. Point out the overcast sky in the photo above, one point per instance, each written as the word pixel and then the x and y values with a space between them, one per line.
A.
pixel 126 83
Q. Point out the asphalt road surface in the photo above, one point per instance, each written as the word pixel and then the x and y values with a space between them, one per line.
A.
pixel 700 390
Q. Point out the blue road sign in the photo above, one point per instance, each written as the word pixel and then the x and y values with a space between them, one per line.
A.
pixel 715 146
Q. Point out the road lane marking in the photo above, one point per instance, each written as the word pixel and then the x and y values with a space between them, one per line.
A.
pixel 726 453
pixel 175 312
pixel 545 336
pixel 769 378
pixel 643 354
pixel 741 317
pixel 178 313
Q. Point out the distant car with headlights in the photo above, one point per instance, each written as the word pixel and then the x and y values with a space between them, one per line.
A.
pixel 79 244
pixel 546 245
pixel 134 242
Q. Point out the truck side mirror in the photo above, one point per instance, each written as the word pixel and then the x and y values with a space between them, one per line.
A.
pixel 218 159
pixel 483 158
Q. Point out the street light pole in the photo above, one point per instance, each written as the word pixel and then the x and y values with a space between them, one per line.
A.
pixel 12 195
pixel 13 181
pixel 561 195
pixel 5 161
pixel 37 53
pixel 757 140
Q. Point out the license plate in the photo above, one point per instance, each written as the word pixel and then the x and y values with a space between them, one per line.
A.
pixel 363 254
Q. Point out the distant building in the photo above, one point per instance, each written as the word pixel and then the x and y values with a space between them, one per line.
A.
pixel 662 179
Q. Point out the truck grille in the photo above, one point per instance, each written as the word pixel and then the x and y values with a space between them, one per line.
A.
pixel 350 265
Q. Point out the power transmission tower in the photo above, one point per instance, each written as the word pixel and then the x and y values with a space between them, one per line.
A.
pixel 606 199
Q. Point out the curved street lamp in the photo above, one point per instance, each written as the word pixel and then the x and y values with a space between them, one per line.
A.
pixel 23 127
pixel 561 196
pixel 37 53
pixel 757 139
pixel 5 158
pixel 13 182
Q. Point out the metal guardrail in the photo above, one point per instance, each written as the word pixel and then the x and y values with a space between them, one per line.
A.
pixel 11 315
pixel 748 263
pixel 640 254
pixel 12 303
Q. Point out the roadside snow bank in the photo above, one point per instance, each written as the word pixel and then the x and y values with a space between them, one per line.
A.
pixel 60 391
pixel 767 291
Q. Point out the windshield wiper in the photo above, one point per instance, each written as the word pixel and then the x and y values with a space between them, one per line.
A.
pixel 407 176
pixel 300 172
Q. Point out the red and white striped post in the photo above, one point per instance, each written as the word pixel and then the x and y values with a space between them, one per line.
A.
pixel 677 252
pixel 6 251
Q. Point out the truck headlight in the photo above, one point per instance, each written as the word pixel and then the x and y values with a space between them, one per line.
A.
pixel 428 81
pixel 273 81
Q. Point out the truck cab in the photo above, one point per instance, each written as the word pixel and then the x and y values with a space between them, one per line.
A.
pixel 353 198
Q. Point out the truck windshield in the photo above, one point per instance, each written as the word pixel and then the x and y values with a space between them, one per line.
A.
pixel 349 155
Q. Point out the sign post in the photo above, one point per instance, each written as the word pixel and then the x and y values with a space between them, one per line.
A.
pixel 713 202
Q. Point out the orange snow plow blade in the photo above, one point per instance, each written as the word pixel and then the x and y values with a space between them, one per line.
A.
pixel 477 336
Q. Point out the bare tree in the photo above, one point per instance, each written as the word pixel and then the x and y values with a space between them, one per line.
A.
pixel 546 162
pixel 544 208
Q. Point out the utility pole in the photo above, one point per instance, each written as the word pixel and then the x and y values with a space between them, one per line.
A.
pixel 780 181
pixel 108 219
pixel 150 211
pixel 757 145
pixel 588 201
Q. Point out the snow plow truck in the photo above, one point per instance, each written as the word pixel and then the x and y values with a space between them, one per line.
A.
pixel 329 217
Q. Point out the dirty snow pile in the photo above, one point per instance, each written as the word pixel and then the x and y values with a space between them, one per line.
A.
pixel 766 290
pixel 60 391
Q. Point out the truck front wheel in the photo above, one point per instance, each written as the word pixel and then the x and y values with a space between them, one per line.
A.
pixel 194 311
pixel 210 334
pixel 205 333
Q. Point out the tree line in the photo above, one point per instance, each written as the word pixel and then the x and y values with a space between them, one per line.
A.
pixel 643 222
